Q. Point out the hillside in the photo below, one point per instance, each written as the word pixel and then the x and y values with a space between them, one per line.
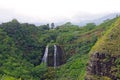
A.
pixel 104 62
pixel 75 67
pixel 23 46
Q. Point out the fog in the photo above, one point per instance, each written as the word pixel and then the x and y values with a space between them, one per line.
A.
pixel 58 11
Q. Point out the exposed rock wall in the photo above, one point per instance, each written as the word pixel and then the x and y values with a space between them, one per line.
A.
pixel 102 65
pixel 60 56
pixel 50 58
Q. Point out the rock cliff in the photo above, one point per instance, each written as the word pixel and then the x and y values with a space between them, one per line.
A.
pixel 104 62
pixel 60 56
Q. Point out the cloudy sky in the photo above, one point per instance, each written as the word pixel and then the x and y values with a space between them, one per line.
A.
pixel 39 11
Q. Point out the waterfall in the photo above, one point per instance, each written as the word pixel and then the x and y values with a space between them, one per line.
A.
pixel 55 54
pixel 45 55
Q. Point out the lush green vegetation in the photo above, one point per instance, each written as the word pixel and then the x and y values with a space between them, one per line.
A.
pixel 22 47
pixel 74 69
pixel 109 44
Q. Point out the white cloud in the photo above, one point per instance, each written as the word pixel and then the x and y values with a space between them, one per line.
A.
pixel 54 10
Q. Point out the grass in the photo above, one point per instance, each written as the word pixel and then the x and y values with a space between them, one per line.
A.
pixel 109 44
pixel 5 77
pixel 74 69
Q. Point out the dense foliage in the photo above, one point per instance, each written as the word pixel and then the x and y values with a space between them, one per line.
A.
pixel 22 47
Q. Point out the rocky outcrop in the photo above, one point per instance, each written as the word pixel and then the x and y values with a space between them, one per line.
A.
pixel 102 65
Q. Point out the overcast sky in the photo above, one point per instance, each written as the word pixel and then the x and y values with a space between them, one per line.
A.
pixel 55 10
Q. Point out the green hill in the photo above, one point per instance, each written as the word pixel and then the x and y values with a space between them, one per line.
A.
pixel 22 47
pixel 104 62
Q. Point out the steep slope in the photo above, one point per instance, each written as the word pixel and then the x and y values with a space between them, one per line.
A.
pixel 104 62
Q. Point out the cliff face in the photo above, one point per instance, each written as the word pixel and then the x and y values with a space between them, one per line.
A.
pixel 60 56
pixel 104 62
pixel 102 66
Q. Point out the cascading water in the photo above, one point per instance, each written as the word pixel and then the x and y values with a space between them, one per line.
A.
pixel 45 55
pixel 55 54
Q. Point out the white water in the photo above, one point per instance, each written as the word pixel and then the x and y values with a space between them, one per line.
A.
pixel 55 52
pixel 45 55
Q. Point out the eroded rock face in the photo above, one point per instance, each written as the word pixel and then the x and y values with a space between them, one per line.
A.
pixel 60 56
pixel 50 58
pixel 101 64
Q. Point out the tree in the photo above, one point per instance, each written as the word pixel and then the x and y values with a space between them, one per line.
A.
pixel 52 26
pixel 90 26
pixel 44 27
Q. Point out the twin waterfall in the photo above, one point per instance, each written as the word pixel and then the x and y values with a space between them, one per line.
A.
pixel 45 57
